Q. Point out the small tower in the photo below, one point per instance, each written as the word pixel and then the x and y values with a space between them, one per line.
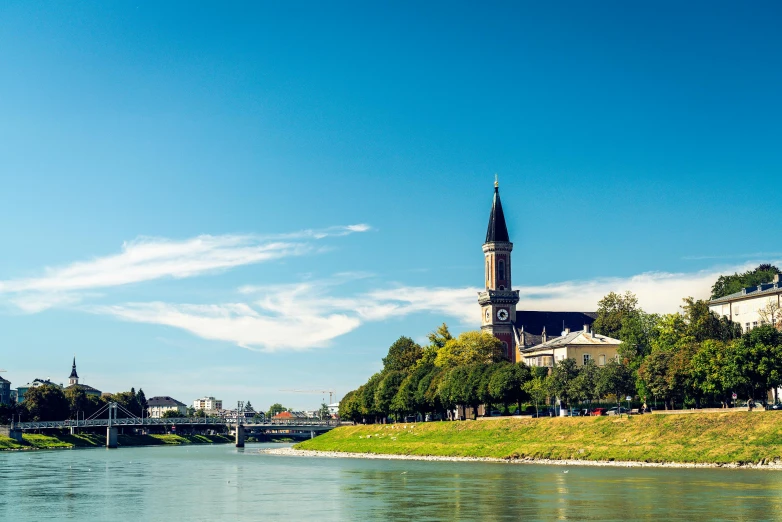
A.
pixel 498 300
pixel 74 378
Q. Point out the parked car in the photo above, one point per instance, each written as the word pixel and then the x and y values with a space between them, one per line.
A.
pixel 495 413
pixel 617 410
pixel 544 412
pixel 598 412
pixel 410 418
pixel 777 406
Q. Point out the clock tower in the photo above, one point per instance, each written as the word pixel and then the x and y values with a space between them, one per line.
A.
pixel 498 300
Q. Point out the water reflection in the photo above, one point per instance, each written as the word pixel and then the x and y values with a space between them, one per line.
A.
pixel 220 482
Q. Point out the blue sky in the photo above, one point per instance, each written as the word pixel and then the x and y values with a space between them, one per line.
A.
pixel 235 200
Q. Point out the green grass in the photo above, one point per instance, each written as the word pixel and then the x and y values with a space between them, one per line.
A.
pixel 718 438
pixel 87 440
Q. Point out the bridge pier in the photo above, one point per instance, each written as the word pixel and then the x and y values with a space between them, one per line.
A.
pixel 11 432
pixel 240 436
pixel 312 434
pixel 111 437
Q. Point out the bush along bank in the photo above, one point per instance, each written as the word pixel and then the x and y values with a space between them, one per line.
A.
pixel 719 439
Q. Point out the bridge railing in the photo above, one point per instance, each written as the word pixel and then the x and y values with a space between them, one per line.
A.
pixel 190 421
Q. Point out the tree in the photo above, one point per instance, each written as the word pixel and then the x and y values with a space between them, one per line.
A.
pixel 562 377
pixel 349 408
pixel 506 384
pixel 468 348
pixel 654 372
pixel 440 336
pixel 141 400
pixel 78 402
pixel 539 385
pixel 771 314
pixel 730 284
pixel 248 406
pixel 367 399
pixel 171 414
pixel 274 409
pixel 323 412
pixel 702 323
pixel 616 379
pixel 584 387
pixel 402 355
pixel 46 403
pixel 758 360
pixel 404 400
pixel 612 310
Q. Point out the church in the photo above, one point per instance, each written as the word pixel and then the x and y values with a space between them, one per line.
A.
pixel 517 329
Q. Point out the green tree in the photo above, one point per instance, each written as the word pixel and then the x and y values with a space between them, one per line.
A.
pixel 323 412
pixel 440 336
pixel 730 284
pixel 654 372
pixel 563 376
pixel 469 348
pixel 402 355
pixel 171 414
pixel 584 387
pixel 367 404
pixel 248 406
pixel 274 409
pixel 615 379
pixel 506 384
pixel 143 405
pixel 758 360
pixel 79 404
pixel 612 311
pixel 46 403
pixel 387 389
pixel 539 386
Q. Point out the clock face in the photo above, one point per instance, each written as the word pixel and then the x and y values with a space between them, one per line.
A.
pixel 502 314
pixel 488 315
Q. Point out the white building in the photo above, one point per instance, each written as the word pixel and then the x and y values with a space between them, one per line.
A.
pixel 753 306
pixel 160 405
pixel 208 404
pixel 581 345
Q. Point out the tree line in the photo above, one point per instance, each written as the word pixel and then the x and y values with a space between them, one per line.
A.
pixel 693 358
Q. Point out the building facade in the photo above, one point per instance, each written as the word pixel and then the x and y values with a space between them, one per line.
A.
pixel 158 406
pixel 753 306
pixel 21 390
pixel 516 329
pixel 208 404
pixel 5 391
pixel 582 345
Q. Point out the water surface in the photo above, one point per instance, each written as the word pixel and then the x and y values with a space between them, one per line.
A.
pixel 224 483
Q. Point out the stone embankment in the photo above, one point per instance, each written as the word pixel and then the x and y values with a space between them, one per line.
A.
pixel 292 452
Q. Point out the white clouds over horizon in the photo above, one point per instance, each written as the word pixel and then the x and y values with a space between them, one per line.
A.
pixel 308 315
pixel 148 259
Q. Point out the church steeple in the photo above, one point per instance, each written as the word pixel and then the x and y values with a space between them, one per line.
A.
pixel 498 300
pixel 74 378
pixel 497 231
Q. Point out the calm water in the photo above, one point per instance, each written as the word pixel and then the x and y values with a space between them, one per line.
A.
pixel 223 483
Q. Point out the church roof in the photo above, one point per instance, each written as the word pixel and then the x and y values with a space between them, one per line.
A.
pixel 578 338
pixel 74 375
pixel 497 231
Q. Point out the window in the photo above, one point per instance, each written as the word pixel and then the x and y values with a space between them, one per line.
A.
pixel 736 310
pixel 601 359
pixel 746 328
pixel 754 324
pixel 502 270
pixel 587 358
pixel 487 271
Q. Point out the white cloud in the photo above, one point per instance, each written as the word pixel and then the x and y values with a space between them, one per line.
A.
pixel 308 315
pixel 147 259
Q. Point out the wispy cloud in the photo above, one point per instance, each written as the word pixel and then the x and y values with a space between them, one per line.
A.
pixel 148 259
pixel 310 315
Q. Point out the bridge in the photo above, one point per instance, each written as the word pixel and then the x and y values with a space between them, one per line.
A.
pixel 240 425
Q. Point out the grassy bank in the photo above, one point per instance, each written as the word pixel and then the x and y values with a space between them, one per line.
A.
pixel 87 440
pixel 719 438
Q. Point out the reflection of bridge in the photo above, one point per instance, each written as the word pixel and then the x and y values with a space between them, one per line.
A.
pixel 240 428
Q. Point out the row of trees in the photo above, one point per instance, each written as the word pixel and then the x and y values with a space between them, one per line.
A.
pixel 49 403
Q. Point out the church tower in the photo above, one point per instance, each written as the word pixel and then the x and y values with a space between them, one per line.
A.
pixel 498 300
pixel 74 378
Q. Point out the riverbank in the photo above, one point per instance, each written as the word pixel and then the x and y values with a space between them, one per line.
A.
pixel 89 440
pixel 721 439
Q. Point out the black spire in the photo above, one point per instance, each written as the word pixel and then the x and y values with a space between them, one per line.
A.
pixel 497 230
pixel 74 375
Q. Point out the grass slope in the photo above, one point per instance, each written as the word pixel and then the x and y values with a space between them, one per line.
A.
pixel 88 440
pixel 718 438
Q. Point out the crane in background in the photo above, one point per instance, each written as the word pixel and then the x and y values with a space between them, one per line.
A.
pixel 331 393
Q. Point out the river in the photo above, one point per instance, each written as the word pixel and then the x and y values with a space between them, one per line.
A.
pixel 221 482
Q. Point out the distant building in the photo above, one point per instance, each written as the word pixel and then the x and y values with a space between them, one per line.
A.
pixel 73 383
pixel 290 415
pixel 14 396
pixel 334 408
pixel 208 404
pixel 751 306
pixel 21 390
pixel 160 405
pixel 5 391
pixel 581 345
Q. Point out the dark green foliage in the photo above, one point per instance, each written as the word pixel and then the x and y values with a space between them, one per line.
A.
pixel 726 285
pixel 402 355
pixel 46 403
pixel 274 409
